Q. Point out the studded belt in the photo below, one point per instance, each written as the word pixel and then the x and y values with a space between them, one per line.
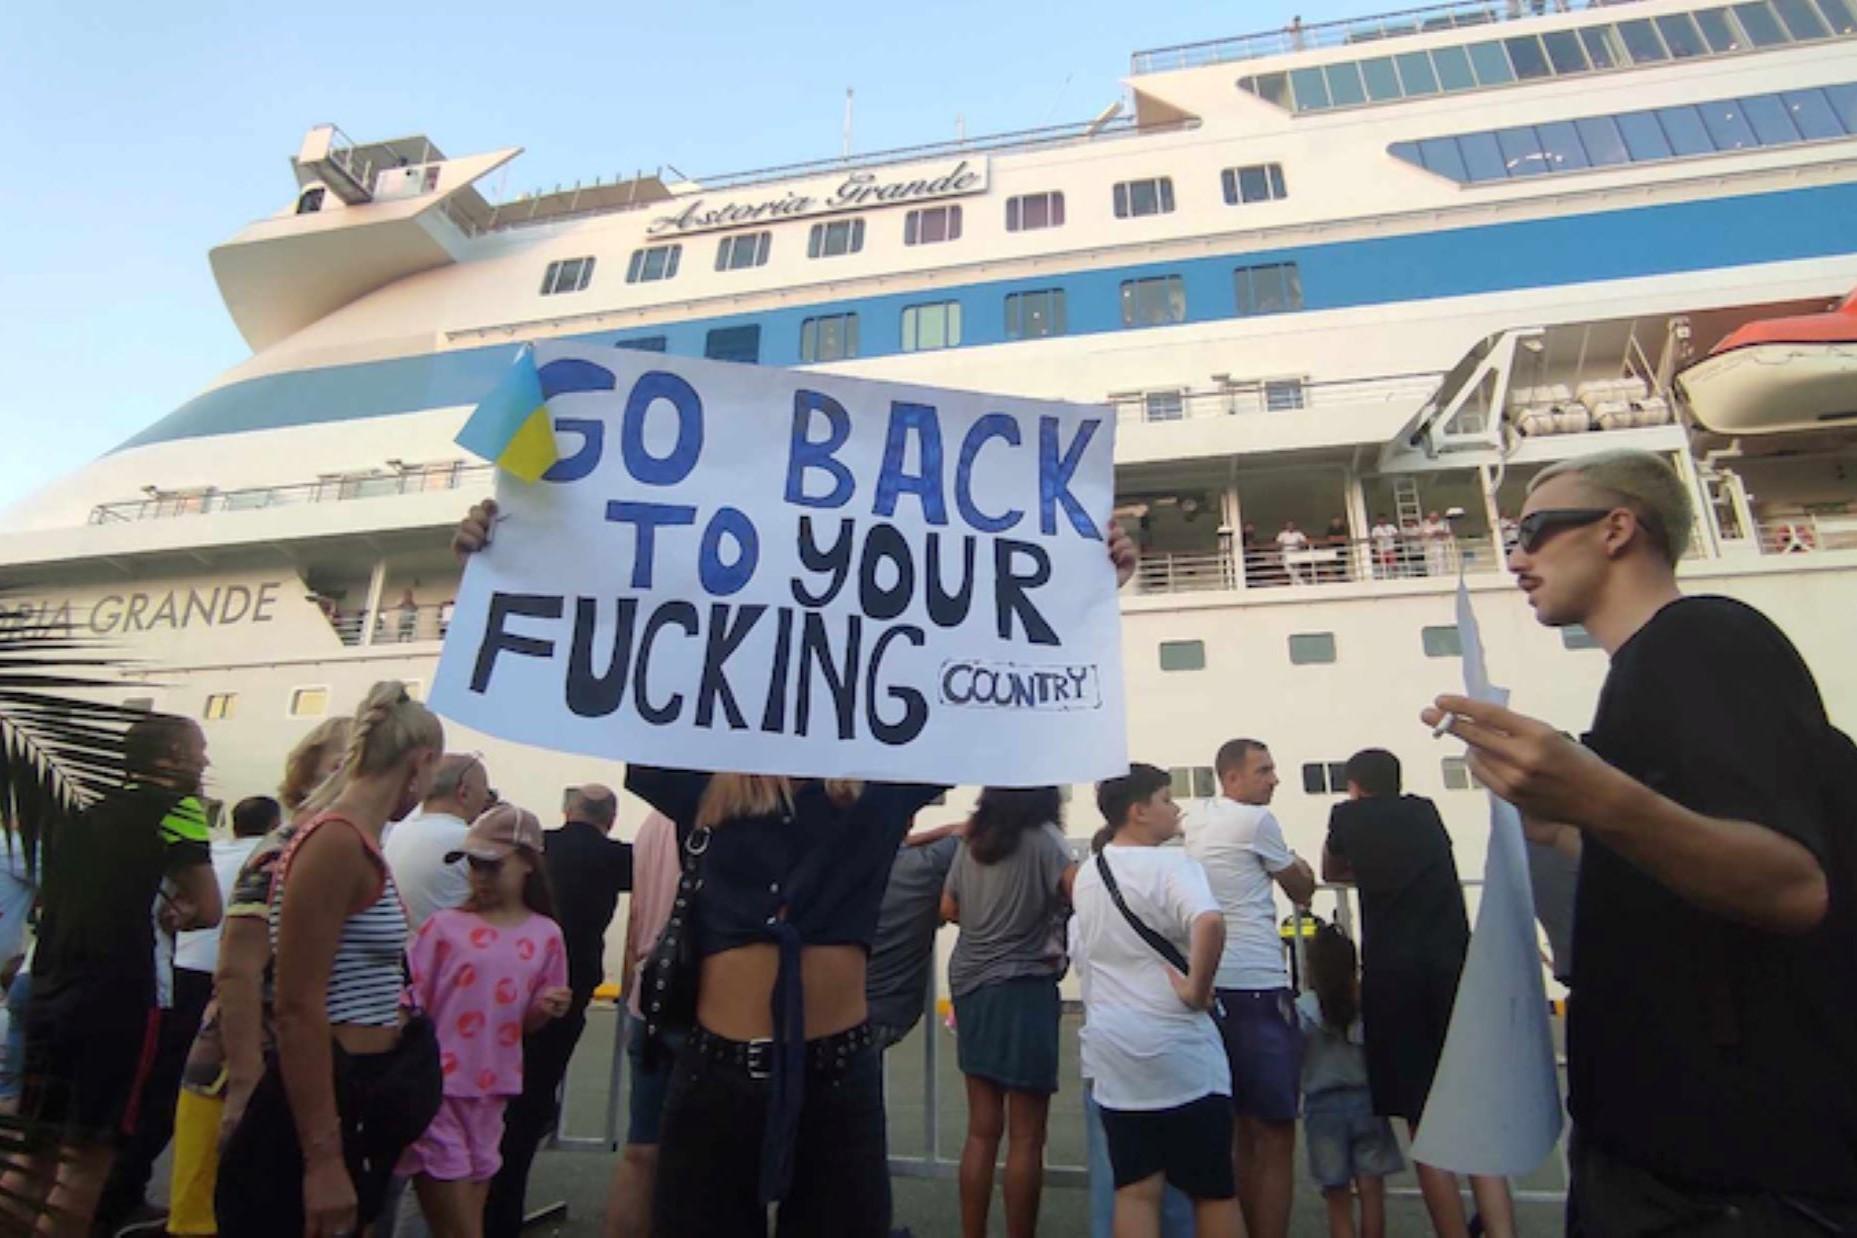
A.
pixel 827 1057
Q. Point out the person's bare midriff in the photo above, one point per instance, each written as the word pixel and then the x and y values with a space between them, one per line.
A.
pixel 736 995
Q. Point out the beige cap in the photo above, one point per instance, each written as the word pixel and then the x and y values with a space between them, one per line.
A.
pixel 500 830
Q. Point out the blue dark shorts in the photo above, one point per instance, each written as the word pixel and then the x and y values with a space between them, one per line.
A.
pixel 648 1086
pixel 1264 1047
pixel 1347 1140
pixel 1007 1033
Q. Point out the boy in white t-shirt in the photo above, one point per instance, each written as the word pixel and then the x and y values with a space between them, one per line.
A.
pixel 1153 1056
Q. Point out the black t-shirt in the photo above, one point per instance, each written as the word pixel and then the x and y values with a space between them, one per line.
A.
pixel 588 871
pixel 1412 907
pixel 1698 1048
pixel 904 949
pixel 96 939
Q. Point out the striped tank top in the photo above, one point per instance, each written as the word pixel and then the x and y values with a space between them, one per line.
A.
pixel 368 973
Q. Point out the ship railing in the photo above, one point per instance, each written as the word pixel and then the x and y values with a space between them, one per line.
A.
pixel 418 479
pixel 1807 533
pixel 1321 561
pixel 1274 396
pixel 923 1100
pixel 1297 37
pixel 389 624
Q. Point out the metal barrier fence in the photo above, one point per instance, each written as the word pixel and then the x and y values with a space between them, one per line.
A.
pixel 918 1152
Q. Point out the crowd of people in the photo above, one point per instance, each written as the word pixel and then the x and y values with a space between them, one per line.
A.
pixel 357 1012
pixel 1293 556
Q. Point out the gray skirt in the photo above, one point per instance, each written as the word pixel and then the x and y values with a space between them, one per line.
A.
pixel 1006 1033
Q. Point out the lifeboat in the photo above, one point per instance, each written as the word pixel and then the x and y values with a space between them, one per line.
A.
pixel 1778 374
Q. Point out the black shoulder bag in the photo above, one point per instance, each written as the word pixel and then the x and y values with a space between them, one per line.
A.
pixel 1159 944
pixel 675 967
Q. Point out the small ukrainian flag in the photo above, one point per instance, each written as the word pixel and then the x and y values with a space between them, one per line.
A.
pixel 511 426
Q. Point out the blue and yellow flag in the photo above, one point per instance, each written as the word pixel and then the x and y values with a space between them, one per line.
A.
pixel 511 426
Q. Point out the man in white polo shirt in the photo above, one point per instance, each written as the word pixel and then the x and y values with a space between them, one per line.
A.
pixel 416 847
pixel 1240 845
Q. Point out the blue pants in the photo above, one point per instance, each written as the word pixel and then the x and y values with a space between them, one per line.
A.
pixel 1176 1208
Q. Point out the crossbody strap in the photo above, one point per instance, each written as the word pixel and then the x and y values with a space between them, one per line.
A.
pixel 1160 945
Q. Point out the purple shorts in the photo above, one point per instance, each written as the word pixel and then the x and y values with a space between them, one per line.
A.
pixel 1264 1048
pixel 464 1142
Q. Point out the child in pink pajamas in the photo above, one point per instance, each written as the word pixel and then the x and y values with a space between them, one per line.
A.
pixel 485 973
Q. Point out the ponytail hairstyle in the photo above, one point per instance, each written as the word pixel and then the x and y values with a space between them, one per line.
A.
pixel 389 725
pixel 731 796
pixel 1005 814
pixel 305 761
pixel 1332 962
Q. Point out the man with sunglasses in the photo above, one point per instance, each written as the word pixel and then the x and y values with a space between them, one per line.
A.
pixel 1712 1031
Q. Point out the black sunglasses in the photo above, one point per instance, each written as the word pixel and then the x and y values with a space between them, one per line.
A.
pixel 481 865
pixel 1536 527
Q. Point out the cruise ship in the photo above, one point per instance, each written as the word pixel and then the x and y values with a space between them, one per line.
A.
pixel 1347 287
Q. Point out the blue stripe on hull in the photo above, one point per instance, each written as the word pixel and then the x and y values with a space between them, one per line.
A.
pixel 1610 245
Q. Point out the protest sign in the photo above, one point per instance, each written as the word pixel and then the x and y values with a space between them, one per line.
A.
pixel 743 568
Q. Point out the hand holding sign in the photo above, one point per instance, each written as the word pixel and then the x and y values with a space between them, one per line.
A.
pixel 749 569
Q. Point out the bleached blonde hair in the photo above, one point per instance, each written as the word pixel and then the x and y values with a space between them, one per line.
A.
pixel 300 767
pixel 1642 482
pixel 729 796
pixel 388 725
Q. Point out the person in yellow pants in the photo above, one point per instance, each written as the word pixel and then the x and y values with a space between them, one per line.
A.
pixel 196 1162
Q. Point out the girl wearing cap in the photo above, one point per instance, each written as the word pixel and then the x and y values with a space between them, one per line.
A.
pixel 485 973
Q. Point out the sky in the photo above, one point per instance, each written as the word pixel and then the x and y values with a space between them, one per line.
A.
pixel 136 137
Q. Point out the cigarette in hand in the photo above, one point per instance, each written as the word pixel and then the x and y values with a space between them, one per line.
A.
pixel 1444 724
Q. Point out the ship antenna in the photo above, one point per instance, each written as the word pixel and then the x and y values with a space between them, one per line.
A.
pixel 848 97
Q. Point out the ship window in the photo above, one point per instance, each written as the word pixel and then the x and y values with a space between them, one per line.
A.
pixel 1163 405
pixel 311 200
pixel 1573 636
pixel 643 343
pixel 1563 52
pixel 1718 31
pixel 1344 84
pixel 1457 776
pixel 1283 395
pixel 1453 65
pixel 1261 182
pixel 1270 87
pixel 1843 100
pixel 1310 90
pixel 1772 123
pixel 567 275
pixel 309 702
pixel 1325 778
pixel 1840 15
pixel 1642 42
pixel 145 704
pixel 1529 60
pixel 932 225
pixel 927 327
pixel 1482 157
pixel 1603 47
pixel 840 236
pixel 1441 155
pixel 1760 23
pixel 1035 315
pixel 655 262
pixel 1381 78
pixel 1644 137
pixel 1683 125
pixel 1491 63
pixel 1312 648
pixel 1560 143
pixel 1272 289
pixel 1812 114
pixel 1032 211
pixel 1154 196
pixel 830 337
pixel 1801 19
pixel 1681 36
pixel 1154 302
pixel 1727 125
pixel 744 249
pixel 1441 642
pixel 1415 74
pixel 1521 151
pixel 1604 144
pixel 1183 655
pixel 1193 782
pixel 220 705
pixel 741 343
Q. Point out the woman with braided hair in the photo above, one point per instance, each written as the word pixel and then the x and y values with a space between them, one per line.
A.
pixel 352 1081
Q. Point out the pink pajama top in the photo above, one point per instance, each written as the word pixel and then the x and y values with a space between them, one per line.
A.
pixel 477 982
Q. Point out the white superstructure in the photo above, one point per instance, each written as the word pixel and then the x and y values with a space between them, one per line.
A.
pixel 1377 269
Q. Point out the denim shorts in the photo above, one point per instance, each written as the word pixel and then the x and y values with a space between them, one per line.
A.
pixel 648 1087
pixel 1263 1045
pixel 1346 1140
